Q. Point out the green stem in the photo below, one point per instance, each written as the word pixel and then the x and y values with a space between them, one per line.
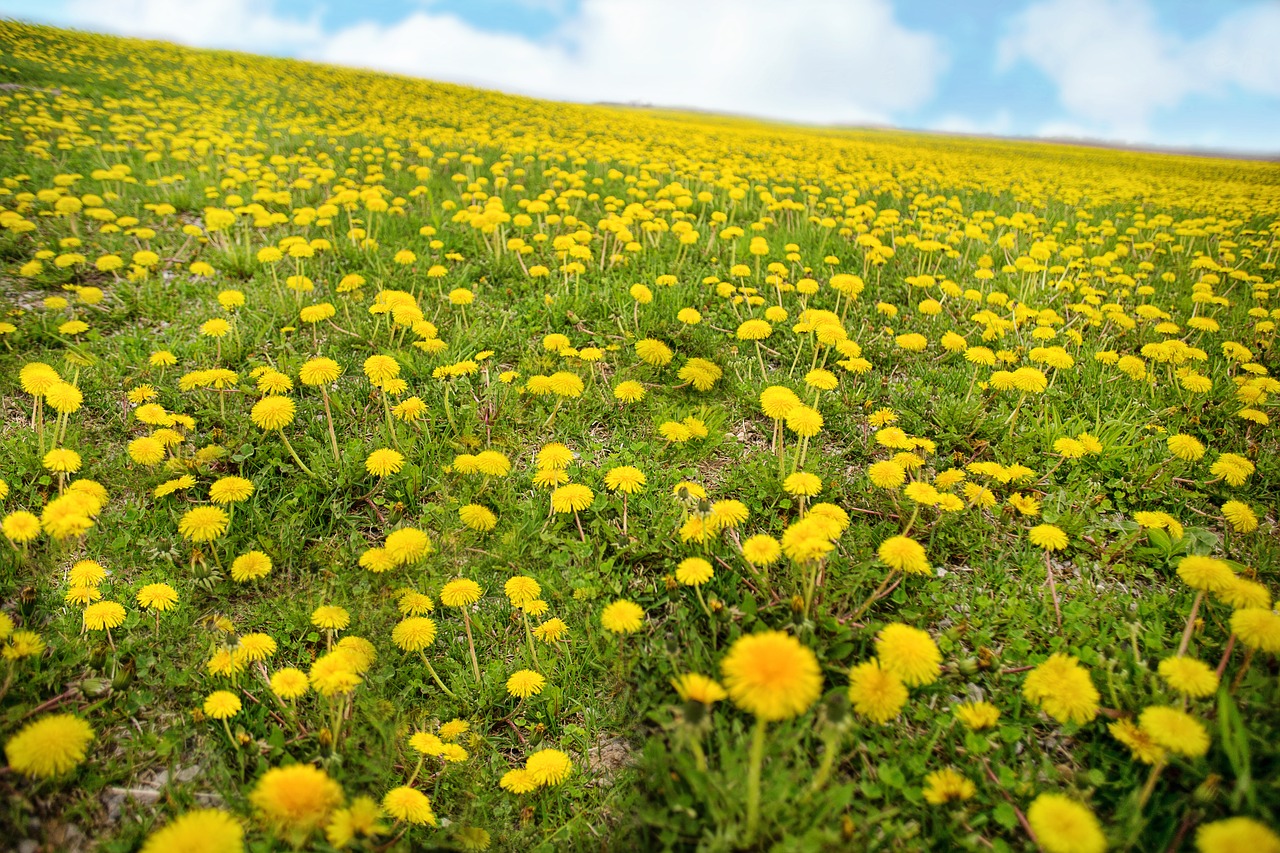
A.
pixel 471 645
pixel 753 778
pixel 832 743
pixel 333 438
pixel 528 635
pixel 1191 624
pixel 294 454
pixel 1150 787
pixel 431 669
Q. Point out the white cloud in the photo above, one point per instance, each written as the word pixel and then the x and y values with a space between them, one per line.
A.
pixel 844 62
pixel 233 24
pixel 1115 67
pixel 1000 124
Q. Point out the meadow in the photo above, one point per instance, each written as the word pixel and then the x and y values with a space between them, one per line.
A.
pixel 391 465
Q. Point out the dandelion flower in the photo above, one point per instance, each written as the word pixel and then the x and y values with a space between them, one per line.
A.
pixel 222 704
pixel 624 478
pixel 407 545
pixel 295 800
pixel 227 490
pixel 1048 536
pixel 146 450
pixel 62 460
pixel 414 633
pixel 383 462
pixel 320 371
pixel 250 566
pixel 1175 730
pixel 1258 628
pixel 1189 676
pixel 49 746
pixel 904 554
pixel 461 592
pixel 103 616
pixel 330 617
pixel 1141 745
pixel 886 474
pixel 272 413
pixel 622 617
pixel 694 571
pixel 20 527
pixel 409 805
pixel 548 767
pixel 977 715
pixel 945 786
pixel 573 497
pixel 876 693
pixel 1236 835
pixel 525 683
pixel 1185 447
pixel 909 653
pixel 551 631
pixel 203 523
pixel 1245 593
pixel 802 484
pixel 521 589
pixel 199 831
pixel 518 781
pixel 289 683
pixel 771 675
pixel 477 517
pixel 1063 825
pixel 157 596
pixel 804 421
pixel 761 550
pixel 653 352
pixel 1205 573
pixel 693 687
pixel 87 573
pixel 1063 689
pixel 454 728
pixel 1240 516
pixel 628 391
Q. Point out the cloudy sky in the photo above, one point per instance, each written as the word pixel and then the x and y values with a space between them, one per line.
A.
pixel 1198 73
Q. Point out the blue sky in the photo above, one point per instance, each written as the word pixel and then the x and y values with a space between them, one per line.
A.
pixel 1179 73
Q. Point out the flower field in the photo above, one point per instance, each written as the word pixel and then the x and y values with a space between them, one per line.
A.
pixel 392 465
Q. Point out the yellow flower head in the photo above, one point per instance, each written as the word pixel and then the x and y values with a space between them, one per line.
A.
pixel 771 675
pixel 49 746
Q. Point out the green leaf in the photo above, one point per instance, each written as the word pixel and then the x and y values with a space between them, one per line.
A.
pixel 892 776
pixel 1005 815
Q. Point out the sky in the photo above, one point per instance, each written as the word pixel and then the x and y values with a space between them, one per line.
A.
pixel 1176 73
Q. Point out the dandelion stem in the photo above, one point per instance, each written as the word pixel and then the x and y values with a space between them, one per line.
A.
pixel 880 592
pixel 1222 664
pixel 227 728
pixel 528 635
pixel 416 770
pixel 1150 786
pixel 333 438
pixel 1191 624
pixel 294 454
pixel 471 644
pixel 753 778
pixel 831 742
pixel 1244 668
pixel 431 669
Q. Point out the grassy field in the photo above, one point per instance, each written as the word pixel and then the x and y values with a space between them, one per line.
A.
pixel 391 465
